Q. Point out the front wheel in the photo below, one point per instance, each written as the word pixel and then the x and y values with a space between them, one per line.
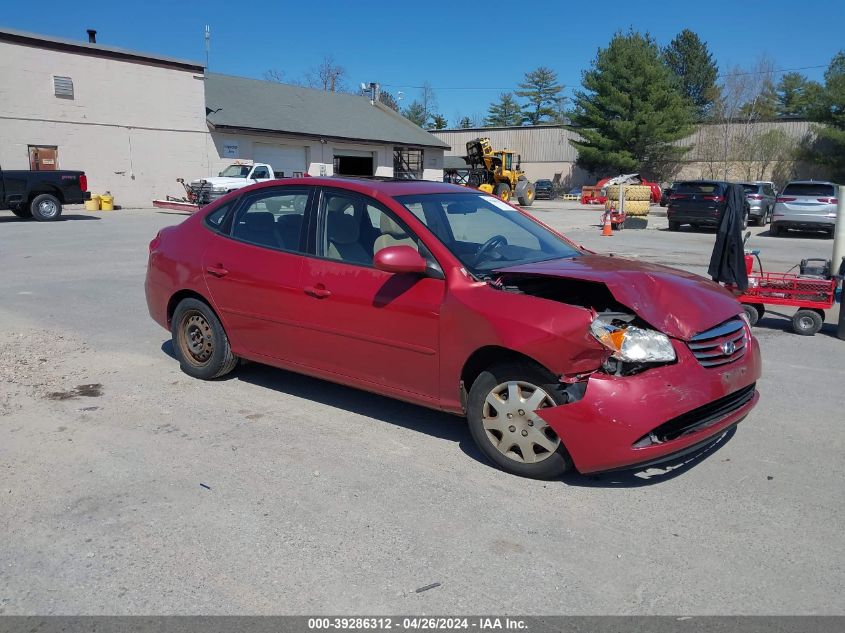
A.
pixel 45 207
pixel 199 341
pixel 807 322
pixel 502 191
pixel 502 414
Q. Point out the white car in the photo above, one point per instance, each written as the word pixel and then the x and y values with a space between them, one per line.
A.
pixel 233 177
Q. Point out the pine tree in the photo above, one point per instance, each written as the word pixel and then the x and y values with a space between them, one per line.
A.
pixel 541 89
pixel 465 123
pixel 416 114
pixel 630 113
pixel 693 65
pixel 796 95
pixel 439 122
pixel 829 148
pixel 505 113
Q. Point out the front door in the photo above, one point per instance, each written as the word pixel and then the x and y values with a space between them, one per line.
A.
pixel 252 271
pixel 371 326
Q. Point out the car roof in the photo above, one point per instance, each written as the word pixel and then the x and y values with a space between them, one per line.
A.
pixel 388 187
pixel 811 182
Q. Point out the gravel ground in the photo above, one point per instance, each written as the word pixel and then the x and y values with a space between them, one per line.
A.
pixel 129 488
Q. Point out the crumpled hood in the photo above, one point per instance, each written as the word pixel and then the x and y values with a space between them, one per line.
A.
pixel 220 181
pixel 675 302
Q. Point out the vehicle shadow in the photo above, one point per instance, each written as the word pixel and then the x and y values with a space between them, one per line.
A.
pixel 442 425
pixel 11 219
pixel 774 321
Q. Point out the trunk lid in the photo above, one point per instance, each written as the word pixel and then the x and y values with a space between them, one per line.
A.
pixel 673 301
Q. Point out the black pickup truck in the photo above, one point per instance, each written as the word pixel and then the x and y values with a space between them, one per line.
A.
pixel 41 194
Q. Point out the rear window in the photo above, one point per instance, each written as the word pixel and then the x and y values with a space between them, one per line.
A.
pixel 809 189
pixel 750 188
pixel 697 187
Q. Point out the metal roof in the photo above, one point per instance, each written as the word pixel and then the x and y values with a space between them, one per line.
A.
pixel 265 106
pixel 97 50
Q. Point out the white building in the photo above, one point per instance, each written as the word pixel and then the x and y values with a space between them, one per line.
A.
pixel 135 122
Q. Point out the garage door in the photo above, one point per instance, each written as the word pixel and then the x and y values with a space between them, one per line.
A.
pixel 286 160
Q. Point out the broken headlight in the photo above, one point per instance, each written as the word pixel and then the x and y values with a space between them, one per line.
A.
pixel 630 343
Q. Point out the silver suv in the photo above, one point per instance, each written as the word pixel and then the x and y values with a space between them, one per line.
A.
pixel 805 204
pixel 761 201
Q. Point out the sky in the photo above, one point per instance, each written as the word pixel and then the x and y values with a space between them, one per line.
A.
pixel 468 56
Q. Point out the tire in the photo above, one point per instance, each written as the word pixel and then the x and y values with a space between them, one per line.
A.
pixel 200 342
pixel 744 221
pixel 490 433
pixel 752 313
pixel 774 230
pixel 633 193
pixel 502 191
pixel 674 226
pixel 528 196
pixel 761 221
pixel 45 207
pixel 21 212
pixel 807 322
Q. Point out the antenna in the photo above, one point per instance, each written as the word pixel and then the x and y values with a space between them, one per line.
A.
pixel 207 44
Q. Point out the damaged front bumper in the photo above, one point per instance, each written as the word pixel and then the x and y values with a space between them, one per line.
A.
pixel 627 420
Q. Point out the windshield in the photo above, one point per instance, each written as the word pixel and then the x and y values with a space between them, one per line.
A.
pixel 543 182
pixel 235 171
pixel 485 233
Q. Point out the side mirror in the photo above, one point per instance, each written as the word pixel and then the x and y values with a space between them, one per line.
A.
pixel 400 259
pixel 219 173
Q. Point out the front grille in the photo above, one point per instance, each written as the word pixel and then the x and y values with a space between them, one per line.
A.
pixel 723 344
pixel 697 419
pixel 204 193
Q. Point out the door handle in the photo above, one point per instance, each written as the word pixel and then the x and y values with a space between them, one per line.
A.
pixel 319 292
pixel 217 271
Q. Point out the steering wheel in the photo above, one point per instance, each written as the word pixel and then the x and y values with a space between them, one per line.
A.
pixel 489 245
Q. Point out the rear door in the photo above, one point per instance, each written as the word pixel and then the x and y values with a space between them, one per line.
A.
pixel 808 201
pixel 252 266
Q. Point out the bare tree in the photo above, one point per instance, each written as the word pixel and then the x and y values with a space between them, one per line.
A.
pixel 275 75
pixel 327 75
pixel 428 100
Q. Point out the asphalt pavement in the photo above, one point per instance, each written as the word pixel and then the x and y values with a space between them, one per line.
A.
pixel 127 487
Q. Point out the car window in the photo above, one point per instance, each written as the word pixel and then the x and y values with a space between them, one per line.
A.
pixel 769 190
pixel 354 228
pixel 809 189
pixel 216 217
pixel 697 187
pixel 484 232
pixel 273 218
pixel 748 188
pixel 261 172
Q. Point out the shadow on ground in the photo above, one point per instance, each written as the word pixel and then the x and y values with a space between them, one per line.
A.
pixel 441 425
pixel 10 219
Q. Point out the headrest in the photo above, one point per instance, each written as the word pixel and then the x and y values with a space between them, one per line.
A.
pixel 260 221
pixel 338 204
pixel 389 227
pixel 342 228
pixel 289 219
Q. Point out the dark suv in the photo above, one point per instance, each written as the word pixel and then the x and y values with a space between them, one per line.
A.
pixel 699 203
pixel 544 188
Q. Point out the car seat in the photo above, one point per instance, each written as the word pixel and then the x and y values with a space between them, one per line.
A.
pixel 392 234
pixel 343 232
pixel 259 227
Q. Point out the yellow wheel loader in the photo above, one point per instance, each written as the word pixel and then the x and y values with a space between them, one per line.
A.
pixel 497 172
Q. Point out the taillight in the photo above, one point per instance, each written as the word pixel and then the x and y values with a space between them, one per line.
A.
pixel 83 182
pixel 713 198
pixel 828 200
pixel 782 199
pixel 754 196
pixel 677 196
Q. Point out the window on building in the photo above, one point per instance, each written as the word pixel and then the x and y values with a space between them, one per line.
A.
pixel 43 158
pixel 407 163
pixel 63 87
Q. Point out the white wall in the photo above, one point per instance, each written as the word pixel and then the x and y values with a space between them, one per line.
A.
pixel 132 127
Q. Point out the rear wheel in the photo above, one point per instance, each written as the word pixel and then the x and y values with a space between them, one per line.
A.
pixel 501 411
pixel 774 230
pixel 807 322
pixel 45 207
pixel 528 195
pixel 199 341
pixel 753 312
pixel 674 226
pixel 502 191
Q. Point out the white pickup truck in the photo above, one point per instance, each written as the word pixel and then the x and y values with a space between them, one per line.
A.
pixel 235 176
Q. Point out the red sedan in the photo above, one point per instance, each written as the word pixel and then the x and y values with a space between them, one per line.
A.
pixel 452 299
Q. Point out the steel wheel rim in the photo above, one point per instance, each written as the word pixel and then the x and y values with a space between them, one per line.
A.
pixel 512 425
pixel 196 338
pixel 806 322
pixel 47 208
